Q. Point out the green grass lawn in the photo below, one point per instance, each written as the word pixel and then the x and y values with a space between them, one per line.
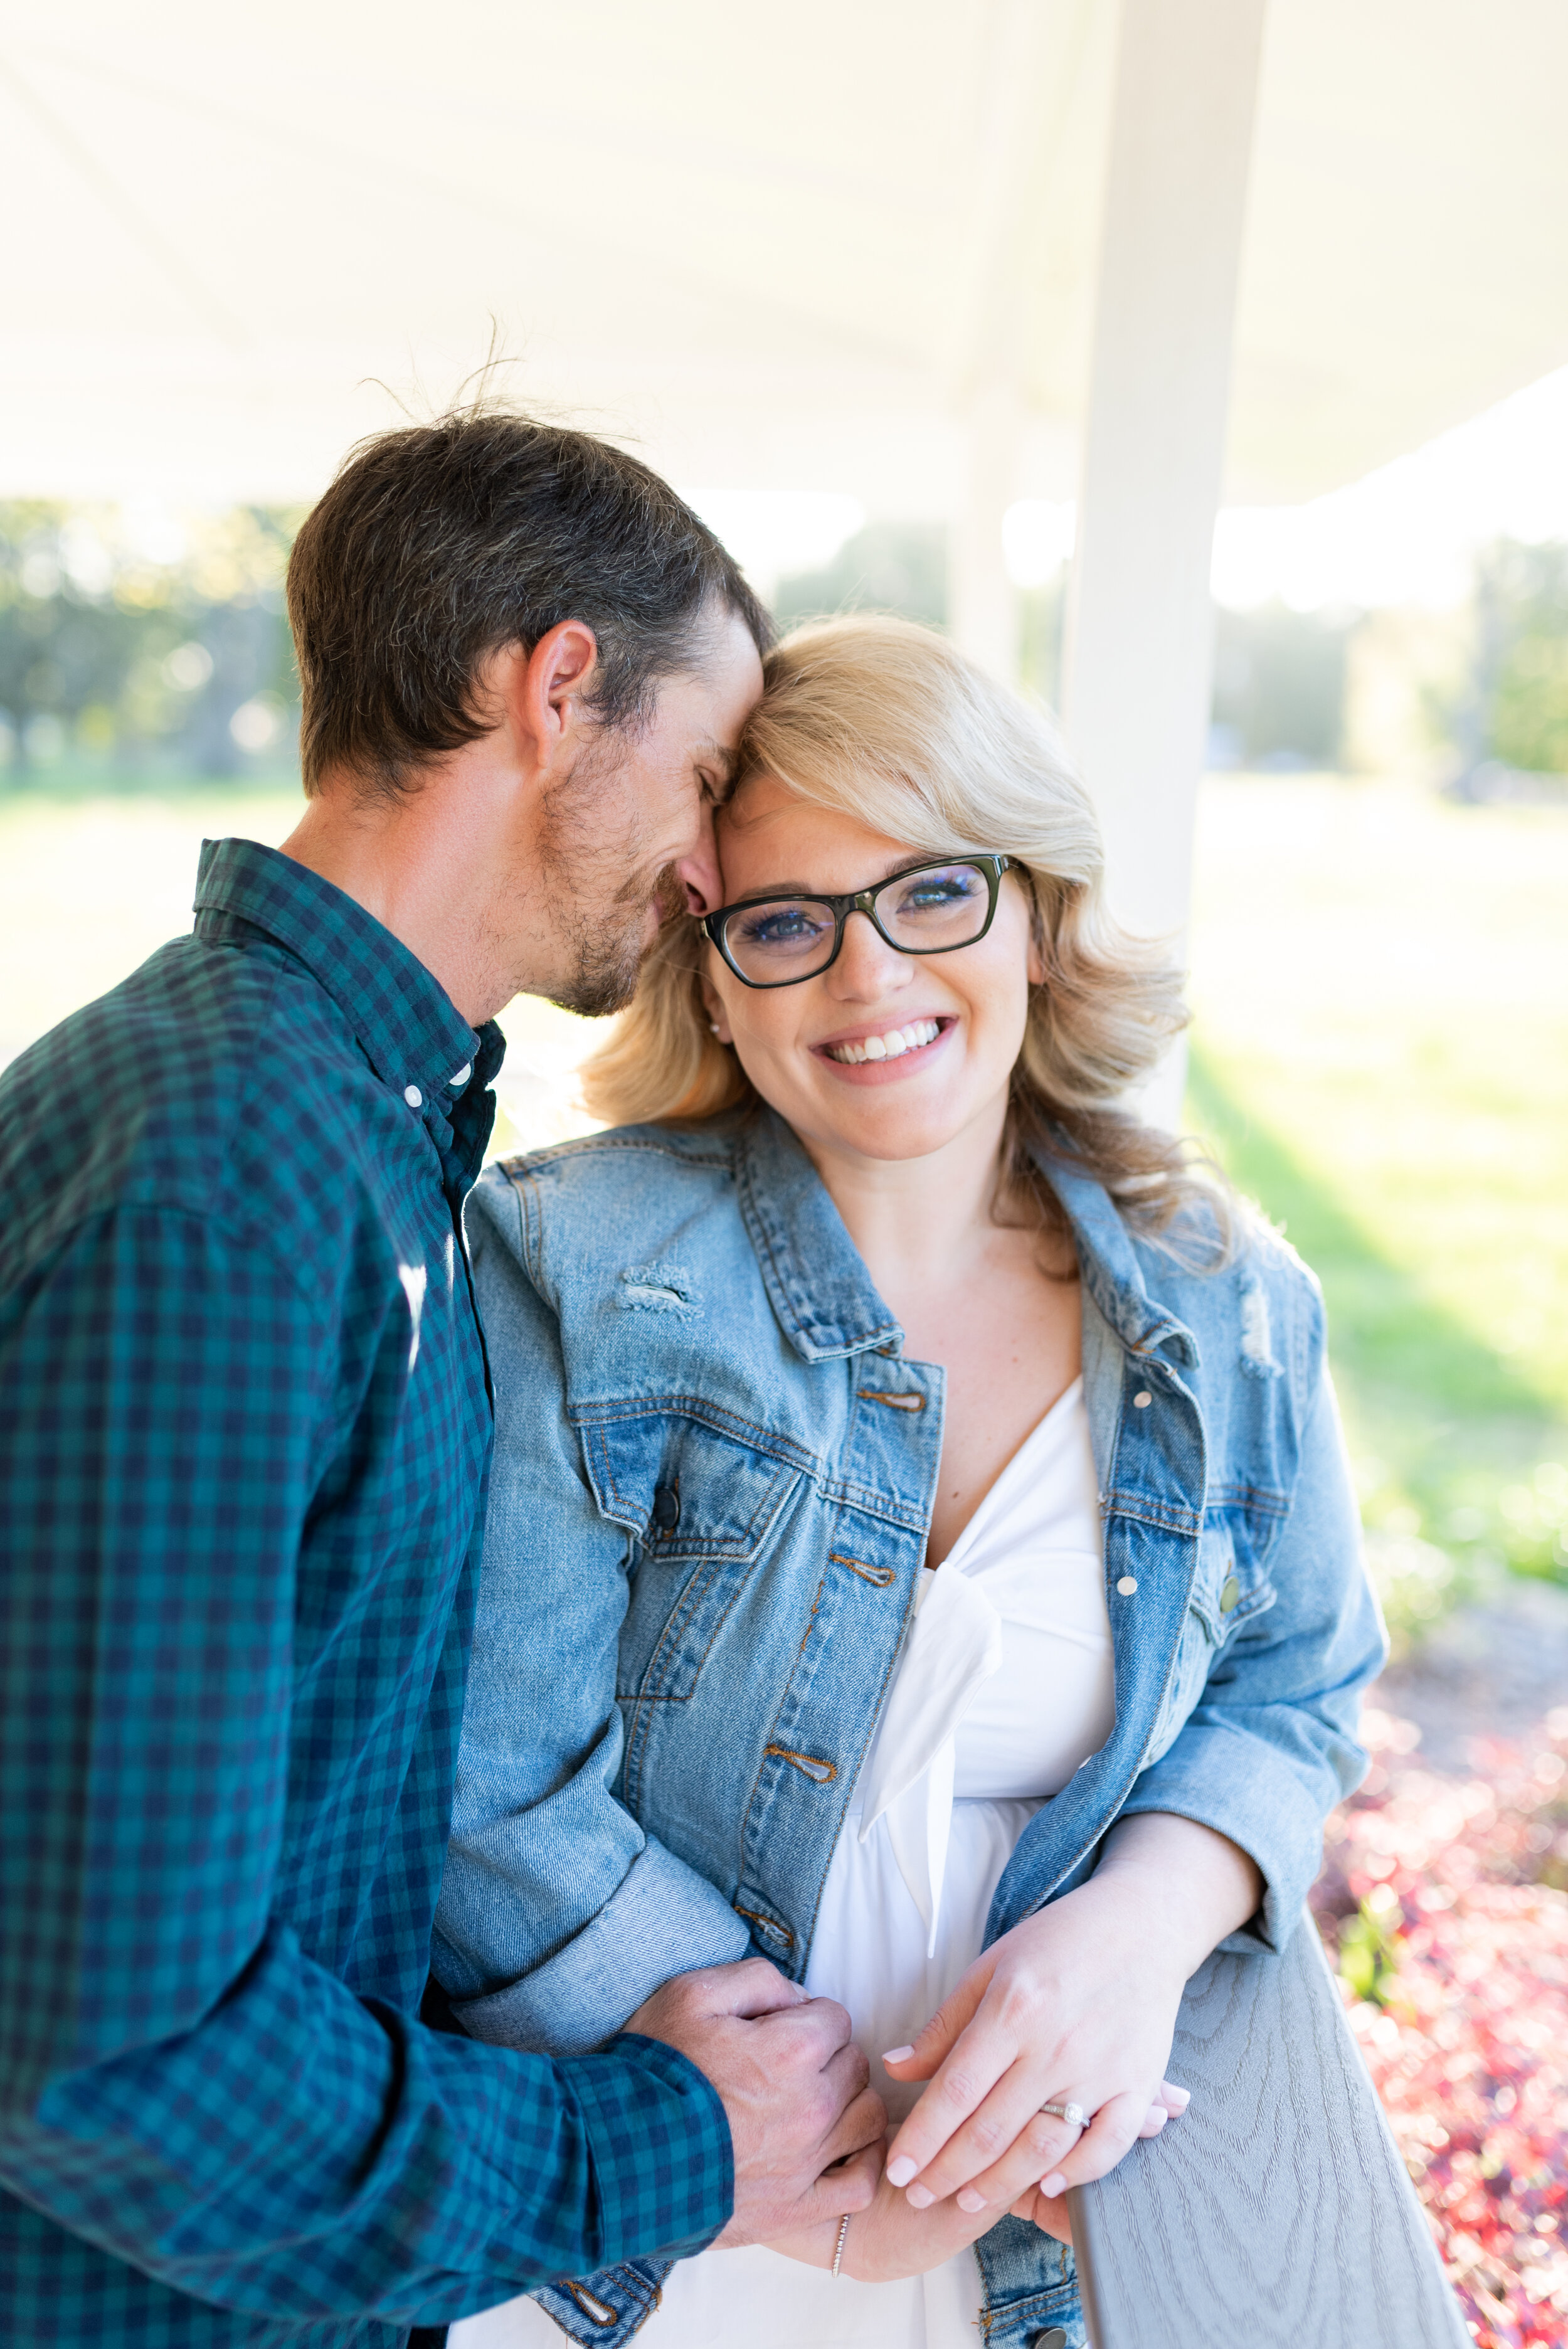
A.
pixel 1380 1056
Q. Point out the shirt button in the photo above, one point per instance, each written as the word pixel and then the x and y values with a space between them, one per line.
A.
pixel 1141 1402
pixel 461 1076
pixel 413 1097
pixel 1127 1585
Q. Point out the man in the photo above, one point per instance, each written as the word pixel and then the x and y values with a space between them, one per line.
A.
pixel 244 1425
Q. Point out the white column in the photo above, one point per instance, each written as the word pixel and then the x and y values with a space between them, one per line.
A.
pixel 983 614
pixel 1140 634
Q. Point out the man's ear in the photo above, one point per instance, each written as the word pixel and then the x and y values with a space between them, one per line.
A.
pixel 544 692
pixel 713 1004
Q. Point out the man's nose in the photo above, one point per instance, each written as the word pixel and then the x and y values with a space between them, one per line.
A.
pixel 699 872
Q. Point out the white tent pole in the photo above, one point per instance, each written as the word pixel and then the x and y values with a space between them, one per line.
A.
pixel 984 614
pixel 1140 635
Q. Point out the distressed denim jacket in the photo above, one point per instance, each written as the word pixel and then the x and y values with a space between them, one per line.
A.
pixel 714 1472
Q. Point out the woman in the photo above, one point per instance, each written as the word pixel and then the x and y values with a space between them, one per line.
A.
pixel 920 1550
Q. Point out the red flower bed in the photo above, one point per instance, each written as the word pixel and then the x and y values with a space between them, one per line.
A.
pixel 1443 1902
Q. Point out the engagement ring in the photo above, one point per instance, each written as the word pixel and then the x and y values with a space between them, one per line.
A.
pixel 1073 2114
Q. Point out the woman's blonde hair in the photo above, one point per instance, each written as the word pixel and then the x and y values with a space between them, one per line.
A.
pixel 886 721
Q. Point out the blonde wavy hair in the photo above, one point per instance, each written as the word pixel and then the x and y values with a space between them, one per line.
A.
pixel 886 721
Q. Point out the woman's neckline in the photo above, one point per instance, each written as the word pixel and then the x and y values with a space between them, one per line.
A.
pixel 1007 1477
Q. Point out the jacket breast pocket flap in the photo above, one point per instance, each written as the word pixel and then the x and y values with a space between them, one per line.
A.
pixel 686 1489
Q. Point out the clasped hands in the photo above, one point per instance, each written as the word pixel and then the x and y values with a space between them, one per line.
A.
pixel 1078 2004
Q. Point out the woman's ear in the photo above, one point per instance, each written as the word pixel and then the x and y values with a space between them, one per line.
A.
pixel 713 1004
pixel 1035 967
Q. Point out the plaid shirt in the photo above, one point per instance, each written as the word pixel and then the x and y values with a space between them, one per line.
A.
pixel 244 1427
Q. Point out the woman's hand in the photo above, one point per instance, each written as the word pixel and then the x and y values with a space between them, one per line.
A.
pixel 894 2237
pixel 1076 2004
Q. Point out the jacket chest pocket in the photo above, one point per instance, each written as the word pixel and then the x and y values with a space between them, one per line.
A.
pixel 1227 1588
pixel 701 1504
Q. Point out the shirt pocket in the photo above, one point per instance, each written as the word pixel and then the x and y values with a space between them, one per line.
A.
pixel 1229 1587
pixel 701 1502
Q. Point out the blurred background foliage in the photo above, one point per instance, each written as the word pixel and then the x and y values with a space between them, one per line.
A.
pixel 138 646
pixel 1380 946
pixel 141 646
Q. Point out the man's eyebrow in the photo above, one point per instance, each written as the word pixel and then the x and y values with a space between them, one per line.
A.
pixel 720 755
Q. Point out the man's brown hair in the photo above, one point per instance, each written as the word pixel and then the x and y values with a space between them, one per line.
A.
pixel 438 544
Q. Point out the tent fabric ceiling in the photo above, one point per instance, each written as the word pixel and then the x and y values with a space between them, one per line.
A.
pixel 778 250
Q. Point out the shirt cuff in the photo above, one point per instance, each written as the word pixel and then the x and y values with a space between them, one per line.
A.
pixel 664 2171
pixel 661 1919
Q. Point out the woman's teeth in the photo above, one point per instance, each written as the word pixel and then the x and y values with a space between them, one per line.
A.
pixel 891 1047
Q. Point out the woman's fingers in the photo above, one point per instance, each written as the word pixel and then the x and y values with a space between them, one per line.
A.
pixel 1008 2144
pixel 952 2018
pixel 954 2125
pixel 1107 2138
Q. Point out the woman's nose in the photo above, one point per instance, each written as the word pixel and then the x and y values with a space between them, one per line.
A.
pixel 867 965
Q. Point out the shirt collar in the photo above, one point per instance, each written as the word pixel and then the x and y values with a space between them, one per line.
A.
pixel 405 1022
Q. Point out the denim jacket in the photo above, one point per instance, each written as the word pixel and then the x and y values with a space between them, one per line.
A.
pixel 713 1479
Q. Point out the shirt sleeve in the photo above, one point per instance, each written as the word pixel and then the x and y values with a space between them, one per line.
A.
pixel 1270 1745
pixel 180 2082
pixel 558 1914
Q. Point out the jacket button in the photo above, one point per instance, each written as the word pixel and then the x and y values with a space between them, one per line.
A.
pixel 1127 1585
pixel 1231 1593
pixel 1055 2338
pixel 1140 1401
pixel 667 1510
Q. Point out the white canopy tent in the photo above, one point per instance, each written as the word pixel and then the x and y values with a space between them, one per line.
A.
pixel 937 257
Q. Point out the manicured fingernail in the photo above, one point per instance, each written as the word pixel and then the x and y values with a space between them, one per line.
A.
pixel 920 2197
pixel 968 2200
pixel 898 2055
pixel 1157 2121
pixel 1054 2185
pixel 1182 2096
pixel 900 2171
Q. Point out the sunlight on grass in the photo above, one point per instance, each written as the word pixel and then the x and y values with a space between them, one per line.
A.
pixel 1380 983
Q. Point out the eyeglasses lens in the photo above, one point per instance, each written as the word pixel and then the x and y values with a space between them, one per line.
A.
pixel 929 912
pixel 926 912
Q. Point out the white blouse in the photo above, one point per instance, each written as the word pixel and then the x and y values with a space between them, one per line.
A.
pixel 1005 1687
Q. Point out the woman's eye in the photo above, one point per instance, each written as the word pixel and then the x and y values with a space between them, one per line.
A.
pixel 782 925
pixel 936 893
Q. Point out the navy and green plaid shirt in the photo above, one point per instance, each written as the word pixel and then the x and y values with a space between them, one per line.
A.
pixel 244 1428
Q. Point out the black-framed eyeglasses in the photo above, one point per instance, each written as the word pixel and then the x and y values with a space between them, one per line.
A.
pixel 926 909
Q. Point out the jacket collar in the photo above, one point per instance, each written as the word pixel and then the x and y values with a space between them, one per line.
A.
pixel 1111 1269
pixel 403 1020
pixel 824 1297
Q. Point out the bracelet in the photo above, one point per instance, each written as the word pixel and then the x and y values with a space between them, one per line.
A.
pixel 838 2246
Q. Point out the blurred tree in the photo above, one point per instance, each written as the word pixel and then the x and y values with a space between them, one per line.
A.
pixel 1523 659
pixel 889 566
pixel 1279 684
pixel 120 656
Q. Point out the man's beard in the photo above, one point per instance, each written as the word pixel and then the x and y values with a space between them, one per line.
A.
pixel 600 911
pixel 611 947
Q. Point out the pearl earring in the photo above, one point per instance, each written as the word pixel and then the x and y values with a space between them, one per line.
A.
pixel 713 1026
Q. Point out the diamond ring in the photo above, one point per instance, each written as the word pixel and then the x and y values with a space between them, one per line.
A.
pixel 1073 2114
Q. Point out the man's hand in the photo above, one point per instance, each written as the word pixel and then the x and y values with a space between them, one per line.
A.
pixel 793 2086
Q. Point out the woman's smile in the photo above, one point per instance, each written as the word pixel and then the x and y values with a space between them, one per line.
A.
pixel 878 1051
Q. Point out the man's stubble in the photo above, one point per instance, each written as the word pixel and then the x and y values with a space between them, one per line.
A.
pixel 600 891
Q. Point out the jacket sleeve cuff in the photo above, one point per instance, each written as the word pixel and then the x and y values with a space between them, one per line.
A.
pixel 1243 1788
pixel 663 1920
pixel 664 2171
